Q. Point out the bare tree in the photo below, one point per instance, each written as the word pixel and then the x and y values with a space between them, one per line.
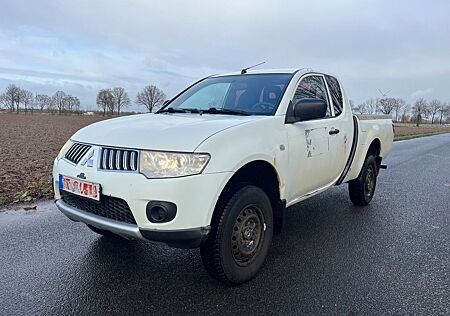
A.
pixel 42 101
pixel 360 108
pixel 51 106
pixel 371 105
pixel 27 99
pixel 76 105
pixel 151 97
pixel 105 100
pixel 433 108
pixel 398 106
pixel 10 96
pixel 419 110
pixel 71 103
pixel 59 102
pixel 444 112
pixel 67 103
pixel 121 98
pixel 406 109
pixel 387 105
pixel 3 101
pixel 367 107
pixel 21 95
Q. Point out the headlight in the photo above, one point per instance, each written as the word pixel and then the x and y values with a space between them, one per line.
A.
pixel 64 149
pixel 155 164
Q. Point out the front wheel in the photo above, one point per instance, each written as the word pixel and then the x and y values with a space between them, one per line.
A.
pixel 361 189
pixel 240 237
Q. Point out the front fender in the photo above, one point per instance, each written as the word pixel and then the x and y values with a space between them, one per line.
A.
pixel 263 140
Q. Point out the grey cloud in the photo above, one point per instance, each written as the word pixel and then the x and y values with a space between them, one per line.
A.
pixel 47 74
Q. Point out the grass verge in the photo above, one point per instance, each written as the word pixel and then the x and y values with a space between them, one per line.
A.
pixel 406 137
pixel 38 189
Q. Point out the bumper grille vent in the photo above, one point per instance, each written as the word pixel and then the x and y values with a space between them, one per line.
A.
pixel 76 152
pixel 109 207
pixel 119 159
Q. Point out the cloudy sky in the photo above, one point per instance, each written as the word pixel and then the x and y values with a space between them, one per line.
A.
pixel 82 46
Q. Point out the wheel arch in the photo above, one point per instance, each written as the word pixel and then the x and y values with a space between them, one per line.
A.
pixel 362 152
pixel 260 173
pixel 374 148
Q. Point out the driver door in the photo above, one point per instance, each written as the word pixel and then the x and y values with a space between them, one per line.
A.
pixel 309 147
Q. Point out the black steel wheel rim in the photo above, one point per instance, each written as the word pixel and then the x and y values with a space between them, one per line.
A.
pixel 248 235
pixel 369 183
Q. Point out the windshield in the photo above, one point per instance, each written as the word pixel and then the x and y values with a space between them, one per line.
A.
pixel 257 94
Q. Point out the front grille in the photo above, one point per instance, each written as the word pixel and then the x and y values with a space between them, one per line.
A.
pixel 76 152
pixel 119 159
pixel 109 207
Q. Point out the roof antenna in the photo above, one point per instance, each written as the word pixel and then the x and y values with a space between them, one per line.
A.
pixel 244 71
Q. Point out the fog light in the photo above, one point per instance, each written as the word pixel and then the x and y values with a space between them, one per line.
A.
pixel 160 211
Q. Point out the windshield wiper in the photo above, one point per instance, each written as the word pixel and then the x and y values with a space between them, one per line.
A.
pixel 191 110
pixel 179 110
pixel 172 110
pixel 224 111
pixel 208 111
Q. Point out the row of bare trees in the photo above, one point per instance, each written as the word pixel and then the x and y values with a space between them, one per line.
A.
pixel 114 100
pixel 110 100
pixel 433 111
pixel 16 99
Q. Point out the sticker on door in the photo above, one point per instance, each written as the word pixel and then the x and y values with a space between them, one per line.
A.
pixel 316 141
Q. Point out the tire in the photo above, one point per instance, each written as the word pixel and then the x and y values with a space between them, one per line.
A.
pixel 240 237
pixel 104 233
pixel 362 189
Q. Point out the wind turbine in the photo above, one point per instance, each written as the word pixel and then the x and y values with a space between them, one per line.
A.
pixel 384 95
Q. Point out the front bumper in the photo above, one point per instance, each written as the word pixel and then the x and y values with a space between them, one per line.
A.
pixel 194 196
pixel 188 238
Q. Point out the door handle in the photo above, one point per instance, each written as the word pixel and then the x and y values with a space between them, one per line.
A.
pixel 333 131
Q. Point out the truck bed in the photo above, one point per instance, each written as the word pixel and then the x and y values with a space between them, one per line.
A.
pixel 367 117
pixel 367 129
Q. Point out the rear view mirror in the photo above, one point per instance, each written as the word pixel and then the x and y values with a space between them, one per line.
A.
pixel 310 109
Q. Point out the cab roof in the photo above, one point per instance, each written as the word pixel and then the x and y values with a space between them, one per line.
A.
pixel 267 71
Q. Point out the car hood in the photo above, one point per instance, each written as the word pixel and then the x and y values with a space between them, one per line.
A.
pixel 171 132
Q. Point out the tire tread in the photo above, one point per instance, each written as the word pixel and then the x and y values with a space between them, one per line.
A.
pixel 356 186
pixel 211 254
pixel 216 263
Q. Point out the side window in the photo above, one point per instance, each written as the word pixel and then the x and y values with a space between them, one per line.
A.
pixel 336 94
pixel 313 87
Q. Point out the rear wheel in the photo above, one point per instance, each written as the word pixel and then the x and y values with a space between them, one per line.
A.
pixel 362 189
pixel 240 237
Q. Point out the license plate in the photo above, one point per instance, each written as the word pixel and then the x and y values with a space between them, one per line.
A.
pixel 80 187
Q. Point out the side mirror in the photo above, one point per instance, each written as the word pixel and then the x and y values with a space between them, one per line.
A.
pixel 310 109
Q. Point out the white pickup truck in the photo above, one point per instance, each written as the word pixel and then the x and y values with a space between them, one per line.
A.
pixel 217 166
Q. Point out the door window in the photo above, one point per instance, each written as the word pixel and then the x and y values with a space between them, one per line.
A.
pixel 313 87
pixel 336 94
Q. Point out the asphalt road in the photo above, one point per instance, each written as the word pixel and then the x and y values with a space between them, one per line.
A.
pixel 392 257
